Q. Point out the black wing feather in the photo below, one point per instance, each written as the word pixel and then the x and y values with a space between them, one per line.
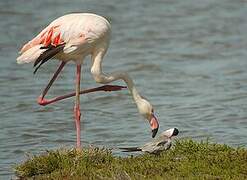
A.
pixel 48 54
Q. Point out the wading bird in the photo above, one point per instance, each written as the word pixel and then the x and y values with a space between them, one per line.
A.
pixel 72 37
pixel 162 143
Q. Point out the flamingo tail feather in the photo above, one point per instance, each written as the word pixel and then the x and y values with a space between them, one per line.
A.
pixel 30 55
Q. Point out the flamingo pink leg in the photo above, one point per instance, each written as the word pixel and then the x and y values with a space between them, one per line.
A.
pixel 43 102
pixel 77 111
pixel 41 99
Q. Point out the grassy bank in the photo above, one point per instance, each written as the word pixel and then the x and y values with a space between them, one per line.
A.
pixel 187 159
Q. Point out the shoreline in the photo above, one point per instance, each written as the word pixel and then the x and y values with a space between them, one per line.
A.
pixel 186 159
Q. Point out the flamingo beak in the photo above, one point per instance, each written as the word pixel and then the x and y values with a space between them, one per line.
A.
pixel 154 125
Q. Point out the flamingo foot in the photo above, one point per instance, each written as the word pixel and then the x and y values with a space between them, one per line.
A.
pixel 107 88
pixel 112 88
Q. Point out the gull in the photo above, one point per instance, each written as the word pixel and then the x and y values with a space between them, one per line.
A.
pixel 159 144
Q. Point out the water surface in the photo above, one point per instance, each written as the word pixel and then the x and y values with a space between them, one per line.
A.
pixel 187 57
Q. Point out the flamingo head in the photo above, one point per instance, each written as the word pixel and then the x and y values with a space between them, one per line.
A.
pixel 147 111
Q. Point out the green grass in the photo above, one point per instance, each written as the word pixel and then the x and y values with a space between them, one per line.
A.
pixel 187 159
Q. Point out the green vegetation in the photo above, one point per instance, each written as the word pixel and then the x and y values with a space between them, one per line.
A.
pixel 187 159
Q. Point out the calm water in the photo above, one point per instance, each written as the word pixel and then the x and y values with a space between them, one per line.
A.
pixel 187 57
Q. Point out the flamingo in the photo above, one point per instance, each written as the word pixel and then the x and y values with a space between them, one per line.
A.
pixel 72 37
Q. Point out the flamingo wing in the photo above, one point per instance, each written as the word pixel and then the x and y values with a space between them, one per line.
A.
pixel 62 35
pixel 43 47
pixel 50 52
pixel 69 37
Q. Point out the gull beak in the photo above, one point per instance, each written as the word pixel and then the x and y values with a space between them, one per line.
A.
pixel 154 125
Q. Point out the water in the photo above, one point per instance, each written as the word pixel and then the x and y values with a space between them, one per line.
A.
pixel 187 57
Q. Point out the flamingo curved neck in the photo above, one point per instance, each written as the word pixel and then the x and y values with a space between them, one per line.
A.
pixel 124 76
pixel 101 77
pixel 131 87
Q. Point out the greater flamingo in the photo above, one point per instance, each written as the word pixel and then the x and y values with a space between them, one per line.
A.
pixel 72 37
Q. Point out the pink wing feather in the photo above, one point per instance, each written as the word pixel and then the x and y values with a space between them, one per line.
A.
pixel 32 50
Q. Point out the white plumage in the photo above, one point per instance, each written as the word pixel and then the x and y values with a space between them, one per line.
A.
pixel 71 38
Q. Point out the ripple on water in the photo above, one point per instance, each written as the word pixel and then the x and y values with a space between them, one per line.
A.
pixel 185 57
